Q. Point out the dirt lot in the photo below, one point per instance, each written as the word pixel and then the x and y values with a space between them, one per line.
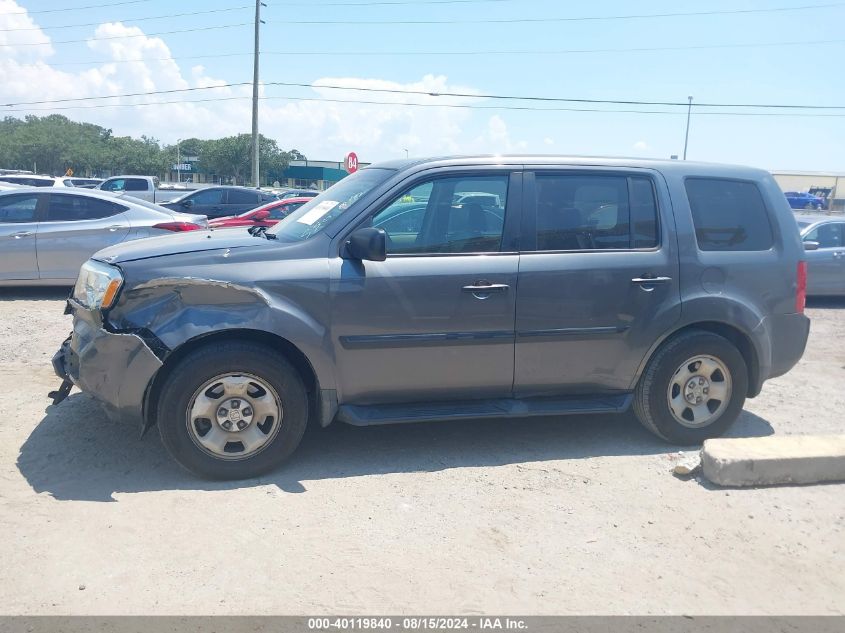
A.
pixel 550 516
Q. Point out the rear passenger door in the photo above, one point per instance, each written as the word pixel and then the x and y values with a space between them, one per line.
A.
pixel 598 279
pixel 826 266
pixel 73 228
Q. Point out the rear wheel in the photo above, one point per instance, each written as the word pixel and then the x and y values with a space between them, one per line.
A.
pixel 232 410
pixel 693 388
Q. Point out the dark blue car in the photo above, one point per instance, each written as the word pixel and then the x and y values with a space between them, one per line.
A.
pixel 804 200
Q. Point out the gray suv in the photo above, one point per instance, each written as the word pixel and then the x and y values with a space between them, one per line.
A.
pixel 445 289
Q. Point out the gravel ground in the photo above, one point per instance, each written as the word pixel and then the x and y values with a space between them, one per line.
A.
pixel 543 516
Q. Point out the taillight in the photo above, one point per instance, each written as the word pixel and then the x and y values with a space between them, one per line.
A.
pixel 177 226
pixel 801 292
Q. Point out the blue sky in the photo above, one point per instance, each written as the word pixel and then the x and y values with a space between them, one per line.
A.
pixel 785 73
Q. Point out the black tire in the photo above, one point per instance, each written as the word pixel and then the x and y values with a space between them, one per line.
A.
pixel 651 404
pixel 203 365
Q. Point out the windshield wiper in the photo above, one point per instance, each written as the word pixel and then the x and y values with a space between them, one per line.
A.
pixel 261 231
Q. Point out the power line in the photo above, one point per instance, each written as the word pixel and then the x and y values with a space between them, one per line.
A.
pixel 314 5
pixel 153 17
pixel 431 105
pixel 552 99
pixel 121 37
pixel 90 6
pixel 570 51
pixel 130 94
pixel 592 18
pixel 429 93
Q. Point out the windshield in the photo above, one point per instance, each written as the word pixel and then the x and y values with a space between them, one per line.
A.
pixel 316 214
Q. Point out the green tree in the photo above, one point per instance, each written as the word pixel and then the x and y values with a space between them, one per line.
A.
pixel 54 143
pixel 230 158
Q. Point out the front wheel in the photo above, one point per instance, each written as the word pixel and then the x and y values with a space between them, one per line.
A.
pixel 692 389
pixel 232 410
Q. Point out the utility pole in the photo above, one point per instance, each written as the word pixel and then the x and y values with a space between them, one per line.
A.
pixel 258 4
pixel 178 162
pixel 686 138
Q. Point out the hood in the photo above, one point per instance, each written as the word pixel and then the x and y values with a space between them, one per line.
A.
pixel 187 242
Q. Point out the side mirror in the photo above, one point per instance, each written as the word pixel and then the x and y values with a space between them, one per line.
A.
pixel 811 246
pixel 187 203
pixel 368 244
pixel 261 215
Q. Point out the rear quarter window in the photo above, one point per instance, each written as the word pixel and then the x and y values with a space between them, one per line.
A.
pixel 729 215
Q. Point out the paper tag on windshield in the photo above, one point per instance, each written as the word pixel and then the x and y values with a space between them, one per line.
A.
pixel 317 212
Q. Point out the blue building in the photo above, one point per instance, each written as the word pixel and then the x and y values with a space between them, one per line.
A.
pixel 313 174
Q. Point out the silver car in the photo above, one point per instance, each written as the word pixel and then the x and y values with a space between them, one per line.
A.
pixel 46 235
pixel 824 243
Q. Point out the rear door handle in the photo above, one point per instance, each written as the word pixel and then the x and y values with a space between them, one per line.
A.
pixel 21 234
pixel 115 227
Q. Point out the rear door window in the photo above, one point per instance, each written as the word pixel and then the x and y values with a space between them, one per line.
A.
pixel 729 215
pixel 582 212
pixel 71 208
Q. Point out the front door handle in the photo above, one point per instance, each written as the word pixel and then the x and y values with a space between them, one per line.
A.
pixel 647 280
pixel 21 234
pixel 483 289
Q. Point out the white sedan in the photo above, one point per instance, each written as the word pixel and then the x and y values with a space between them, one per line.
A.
pixel 46 234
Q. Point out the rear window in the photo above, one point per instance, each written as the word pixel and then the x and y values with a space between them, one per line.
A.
pixel 729 215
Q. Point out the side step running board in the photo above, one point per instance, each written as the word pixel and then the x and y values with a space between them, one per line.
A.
pixel 360 415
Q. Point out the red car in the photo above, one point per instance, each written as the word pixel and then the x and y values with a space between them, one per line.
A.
pixel 265 215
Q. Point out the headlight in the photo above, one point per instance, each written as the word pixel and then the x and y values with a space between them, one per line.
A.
pixel 97 285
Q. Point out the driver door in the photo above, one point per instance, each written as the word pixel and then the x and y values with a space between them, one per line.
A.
pixel 435 321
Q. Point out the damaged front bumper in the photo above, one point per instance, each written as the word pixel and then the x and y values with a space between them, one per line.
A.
pixel 115 368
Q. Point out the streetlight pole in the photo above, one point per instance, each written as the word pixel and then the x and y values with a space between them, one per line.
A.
pixel 178 162
pixel 686 137
pixel 255 183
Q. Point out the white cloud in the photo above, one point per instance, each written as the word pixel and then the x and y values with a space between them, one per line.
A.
pixel 322 129
pixel 27 41
pixel 641 145
pixel 548 141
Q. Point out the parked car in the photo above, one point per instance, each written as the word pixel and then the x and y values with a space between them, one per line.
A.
pixel 147 188
pixel 84 183
pixel 266 215
pixel 804 200
pixel 45 236
pixel 217 202
pixel 824 241
pixel 679 306
pixel 298 193
pixel 32 180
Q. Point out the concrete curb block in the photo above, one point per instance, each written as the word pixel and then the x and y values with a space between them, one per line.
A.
pixel 765 461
